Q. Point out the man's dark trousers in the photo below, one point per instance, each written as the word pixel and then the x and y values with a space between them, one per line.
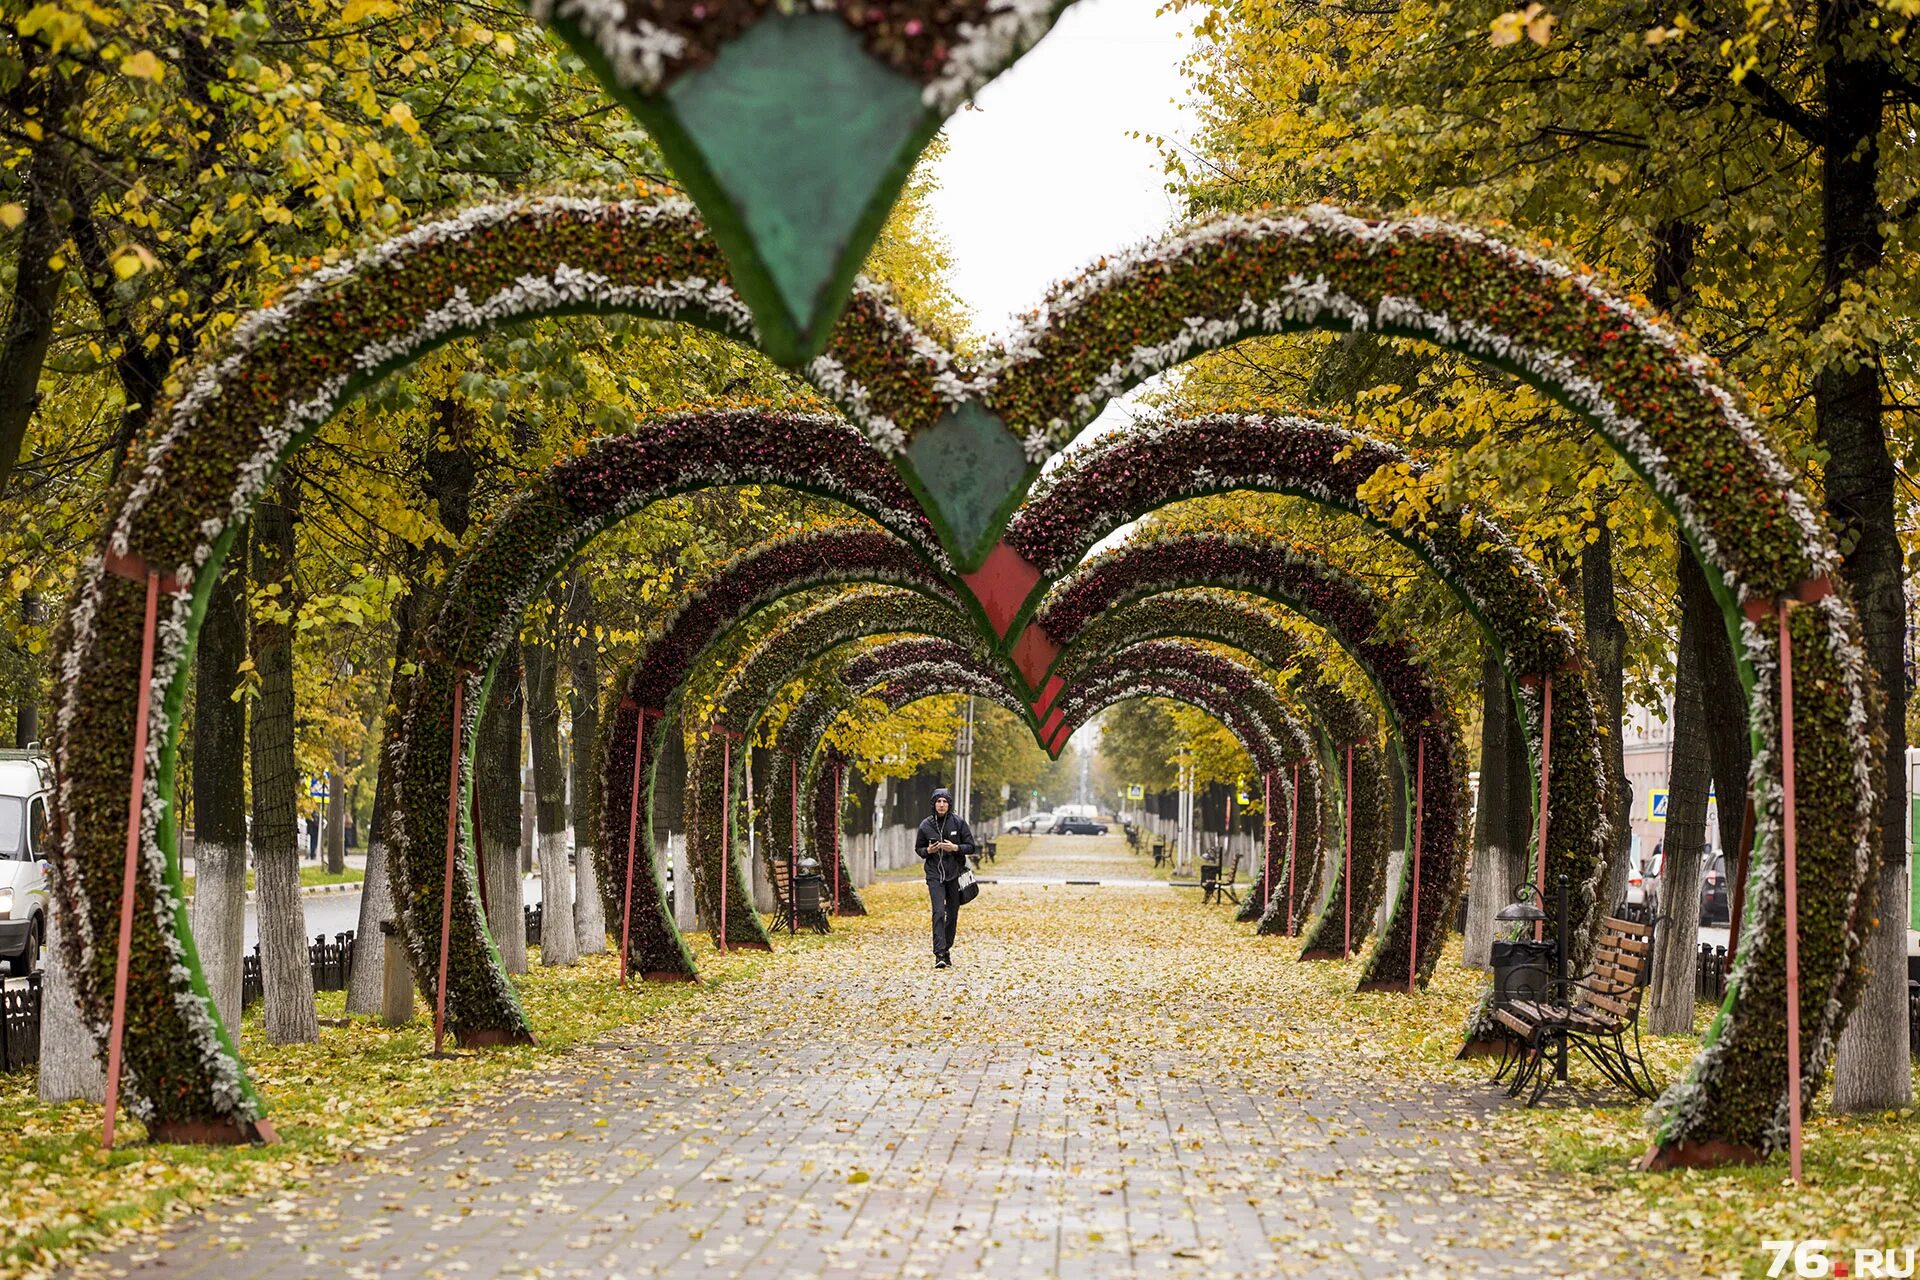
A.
pixel 945 896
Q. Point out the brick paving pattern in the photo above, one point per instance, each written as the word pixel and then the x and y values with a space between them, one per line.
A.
pixel 1074 1099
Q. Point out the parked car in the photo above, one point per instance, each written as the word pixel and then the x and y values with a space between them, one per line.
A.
pixel 1715 905
pixel 1643 874
pixel 1078 827
pixel 1031 823
pixel 25 779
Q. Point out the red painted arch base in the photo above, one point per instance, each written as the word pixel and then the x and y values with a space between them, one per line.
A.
pixel 1321 953
pixel 213 1133
pixel 1485 1047
pixel 1397 985
pixel 667 975
pixel 1697 1155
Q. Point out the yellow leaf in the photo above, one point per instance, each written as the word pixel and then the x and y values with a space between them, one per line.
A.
pixel 12 215
pixel 131 261
pixel 858 1176
pixel 360 10
pixel 142 66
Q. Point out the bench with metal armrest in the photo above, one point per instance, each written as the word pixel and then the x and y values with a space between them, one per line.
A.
pixel 1594 1013
pixel 1215 889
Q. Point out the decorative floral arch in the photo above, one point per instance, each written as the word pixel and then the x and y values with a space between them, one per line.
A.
pixel 794 751
pixel 1256 630
pixel 1234 693
pixel 651 691
pixel 1676 420
pixel 899 672
pixel 1100 488
pixel 1415 701
pixel 285 368
pixel 520 551
pixel 740 700
pixel 1176 658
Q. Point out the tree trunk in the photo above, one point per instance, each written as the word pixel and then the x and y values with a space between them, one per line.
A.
pixel 219 910
pixel 285 970
pixel 377 893
pixel 69 1053
pixel 26 712
pixel 43 187
pixel 496 781
pixel 583 698
pixel 336 832
pixel 1607 651
pixel 558 945
pixel 1870 1071
pixel 1488 888
pixel 1676 935
pixel 449 476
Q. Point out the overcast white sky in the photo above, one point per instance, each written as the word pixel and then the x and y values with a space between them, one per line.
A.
pixel 1042 177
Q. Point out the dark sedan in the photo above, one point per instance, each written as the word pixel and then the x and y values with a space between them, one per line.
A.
pixel 1079 827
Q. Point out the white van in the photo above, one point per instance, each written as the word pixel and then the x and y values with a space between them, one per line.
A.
pixel 25 779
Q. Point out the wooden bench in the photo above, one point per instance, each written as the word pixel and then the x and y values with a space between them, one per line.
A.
pixel 1215 889
pixel 1595 1014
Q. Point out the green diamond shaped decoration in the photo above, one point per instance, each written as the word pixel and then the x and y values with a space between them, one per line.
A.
pixel 791 135
pixel 807 139
pixel 970 472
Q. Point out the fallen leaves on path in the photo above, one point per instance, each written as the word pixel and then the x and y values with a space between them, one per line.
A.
pixel 1113 1080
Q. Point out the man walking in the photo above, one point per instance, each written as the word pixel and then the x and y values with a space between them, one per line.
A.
pixel 944 842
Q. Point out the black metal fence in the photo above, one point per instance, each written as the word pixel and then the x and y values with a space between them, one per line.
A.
pixel 1710 973
pixel 332 969
pixel 20 1025
pixel 1710 984
pixel 332 964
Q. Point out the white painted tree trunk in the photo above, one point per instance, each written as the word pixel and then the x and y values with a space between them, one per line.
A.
pixel 1486 894
pixel 686 911
pixel 219 915
pixel 559 944
pixel 1870 1070
pixel 589 912
pixel 368 979
pixel 69 1053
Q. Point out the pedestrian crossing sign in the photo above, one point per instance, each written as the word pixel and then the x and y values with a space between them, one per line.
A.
pixel 1135 791
pixel 1657 806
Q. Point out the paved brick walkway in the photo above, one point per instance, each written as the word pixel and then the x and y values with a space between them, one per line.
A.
pixel 1088 1094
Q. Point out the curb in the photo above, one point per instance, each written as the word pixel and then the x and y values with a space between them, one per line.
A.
pixel 313 890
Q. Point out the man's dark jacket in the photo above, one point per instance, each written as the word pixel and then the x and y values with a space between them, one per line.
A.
pixel 944 866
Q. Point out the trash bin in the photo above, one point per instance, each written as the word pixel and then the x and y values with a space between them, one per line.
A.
pixel 1522 970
